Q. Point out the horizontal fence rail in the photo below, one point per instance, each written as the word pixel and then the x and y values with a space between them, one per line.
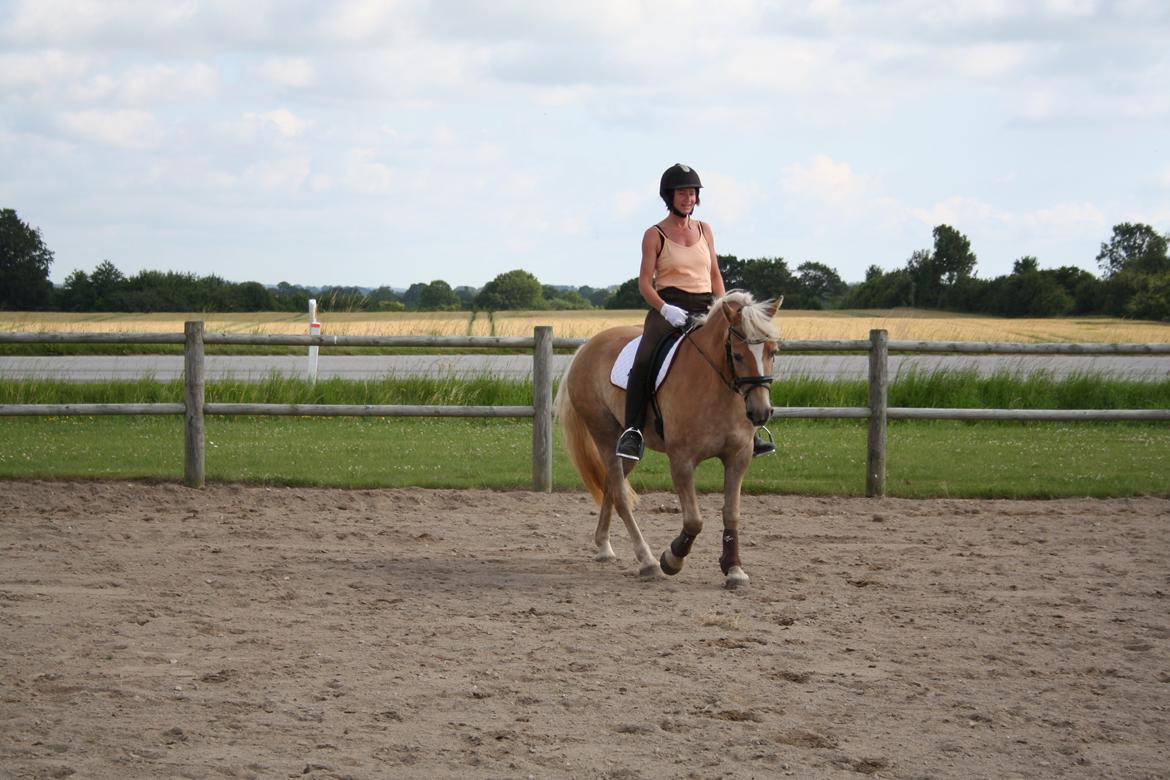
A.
pixel 877 412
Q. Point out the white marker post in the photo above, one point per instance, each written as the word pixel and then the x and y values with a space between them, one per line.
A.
pixel 314 330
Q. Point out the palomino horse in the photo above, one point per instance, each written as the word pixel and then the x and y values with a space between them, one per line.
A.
pixel 717 392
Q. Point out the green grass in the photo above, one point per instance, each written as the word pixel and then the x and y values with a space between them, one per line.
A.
pixel 945 388
pixel 825 457
pixel 816 457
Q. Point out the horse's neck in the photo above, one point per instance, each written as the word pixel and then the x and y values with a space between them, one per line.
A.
pixel 712 335
pixel 709 340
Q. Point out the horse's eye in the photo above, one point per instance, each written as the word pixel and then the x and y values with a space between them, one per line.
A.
pixel 737 358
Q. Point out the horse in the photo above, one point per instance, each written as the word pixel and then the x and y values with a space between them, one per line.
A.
pixel 717 392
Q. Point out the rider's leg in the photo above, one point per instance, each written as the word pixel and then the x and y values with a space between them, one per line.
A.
pixel 630 444
pixel 762 446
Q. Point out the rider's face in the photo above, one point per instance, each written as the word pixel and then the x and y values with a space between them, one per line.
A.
pixel 684 199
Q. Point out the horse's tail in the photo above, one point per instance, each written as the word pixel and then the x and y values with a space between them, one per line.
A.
pixel 583 452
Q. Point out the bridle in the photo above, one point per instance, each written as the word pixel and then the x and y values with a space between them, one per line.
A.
pixel 736 383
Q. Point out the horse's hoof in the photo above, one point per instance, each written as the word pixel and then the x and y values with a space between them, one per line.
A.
pixel 666 567
pixel 736 578
pixel 605 556
pixel 649 571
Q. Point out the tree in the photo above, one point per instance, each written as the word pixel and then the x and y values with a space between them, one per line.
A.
pixel 77 294
pixel 1025 265
pixel 1152 299
pixel 466 296
pixel 627 296
pixel 881 290
pixel 819 284
pixel 768 277
pixel 731 269
pixel 563 298
pixel 412 295
pixel 24 264
pixel 438 296
pixel 107 283
pixel 937 273
pixel 292 297
pixel 384 299
pixel 1134 247
pixel 514 290
pixel 595 295
pixel 253 296
pixel 953 257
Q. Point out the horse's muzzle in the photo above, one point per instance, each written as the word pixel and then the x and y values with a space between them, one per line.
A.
pixel 759 415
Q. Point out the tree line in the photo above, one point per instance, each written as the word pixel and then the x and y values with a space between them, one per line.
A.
pixel 1135 283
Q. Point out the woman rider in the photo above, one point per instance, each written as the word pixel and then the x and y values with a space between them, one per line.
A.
pixel 679 276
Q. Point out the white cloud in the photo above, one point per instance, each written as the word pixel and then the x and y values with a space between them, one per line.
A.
pixel 368 20
pixel 736 199
pixel 628 202
pixel 364 173
pixel 278 123
pixel 81 21
pixel 290 71
pixel 145 84
pixel 965 211
pixel 41 68
pixel 283 175
pixel 825 180
pixel 126 129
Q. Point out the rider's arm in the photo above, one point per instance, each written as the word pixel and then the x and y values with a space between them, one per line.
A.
pixel 646 273
pixel 717 288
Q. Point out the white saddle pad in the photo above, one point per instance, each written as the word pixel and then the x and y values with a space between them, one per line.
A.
pixel 620 373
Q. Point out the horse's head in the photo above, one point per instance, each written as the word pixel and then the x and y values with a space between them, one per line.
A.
pixel 751 349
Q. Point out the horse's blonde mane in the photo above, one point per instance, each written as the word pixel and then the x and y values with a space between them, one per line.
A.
pixel 758 325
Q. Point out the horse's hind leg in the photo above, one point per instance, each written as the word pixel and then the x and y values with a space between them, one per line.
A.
pixel 605 551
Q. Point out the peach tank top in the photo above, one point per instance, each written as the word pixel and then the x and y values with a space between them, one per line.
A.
pixel 685 267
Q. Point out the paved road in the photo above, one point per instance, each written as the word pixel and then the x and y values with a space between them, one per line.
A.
pixel 253 368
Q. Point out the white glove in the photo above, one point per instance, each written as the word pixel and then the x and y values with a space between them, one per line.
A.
pixel 673 314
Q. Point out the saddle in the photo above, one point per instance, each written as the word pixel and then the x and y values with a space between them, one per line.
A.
pixel 619 375
pixel 660 365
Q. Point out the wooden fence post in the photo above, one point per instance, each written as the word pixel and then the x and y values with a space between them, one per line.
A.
pixel 542 408
pixel 875 461
pixel 193 382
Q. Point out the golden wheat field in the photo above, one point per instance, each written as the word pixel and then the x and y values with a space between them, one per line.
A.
pixel 902 324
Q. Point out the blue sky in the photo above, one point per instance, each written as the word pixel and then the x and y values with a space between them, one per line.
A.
pixel 386 143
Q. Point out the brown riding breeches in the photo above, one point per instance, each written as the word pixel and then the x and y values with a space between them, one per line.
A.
pixel 653 331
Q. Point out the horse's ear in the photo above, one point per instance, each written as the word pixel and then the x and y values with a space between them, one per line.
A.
pixel 774 306
pixel 729 312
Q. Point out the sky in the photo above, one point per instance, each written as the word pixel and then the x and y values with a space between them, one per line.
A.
pixel 367 143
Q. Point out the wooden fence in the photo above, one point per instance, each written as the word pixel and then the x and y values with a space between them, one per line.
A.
pixel 194 407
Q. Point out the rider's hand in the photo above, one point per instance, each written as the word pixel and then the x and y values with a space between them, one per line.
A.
pixel 676 316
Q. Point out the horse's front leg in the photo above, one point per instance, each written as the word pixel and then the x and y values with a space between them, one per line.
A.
pixel 673 557
pixel 733 473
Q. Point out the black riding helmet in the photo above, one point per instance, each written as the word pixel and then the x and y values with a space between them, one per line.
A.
pixel 677 177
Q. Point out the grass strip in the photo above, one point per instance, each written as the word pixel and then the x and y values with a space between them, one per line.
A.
pixel 944 388
pixel 816 457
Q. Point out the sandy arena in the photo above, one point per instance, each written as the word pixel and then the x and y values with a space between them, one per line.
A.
pixel 152 631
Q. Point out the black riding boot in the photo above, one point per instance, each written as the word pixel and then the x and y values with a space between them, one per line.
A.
pixel 761 447
pixel 630 444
